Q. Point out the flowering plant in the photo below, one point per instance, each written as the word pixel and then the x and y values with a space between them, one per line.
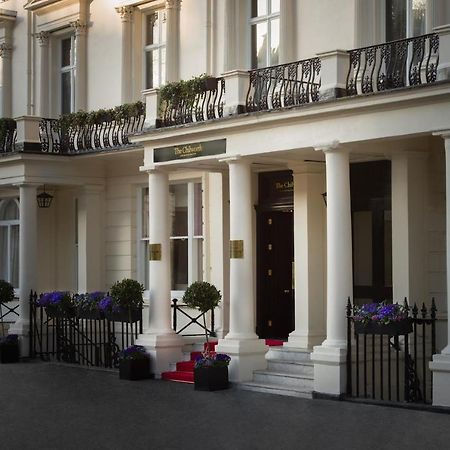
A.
pixel 89 301
pixel 56 299
pixel 211 359
pixel 381 313
pixel 133 352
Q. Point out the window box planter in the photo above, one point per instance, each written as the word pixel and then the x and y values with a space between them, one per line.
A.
pixel 211 378
pixel 130 316
pixel 135 369
pixel 54 313
pixel 91 315
pixel 392 329
pixel 9 352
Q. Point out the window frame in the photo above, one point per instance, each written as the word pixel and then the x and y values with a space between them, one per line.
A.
pixel 159 47
pixel 9 224
pixel 71 68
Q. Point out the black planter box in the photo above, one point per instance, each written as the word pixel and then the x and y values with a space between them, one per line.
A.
pixel 55 312
pixel 211 378
pixel 392 329
pixel 9 352
pixel 130 316
pixel 91 315
pixel 135 369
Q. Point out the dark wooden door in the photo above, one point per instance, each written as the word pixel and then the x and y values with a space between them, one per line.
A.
pixel 275 255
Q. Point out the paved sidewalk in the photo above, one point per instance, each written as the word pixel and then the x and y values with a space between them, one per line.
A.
pixel 51 406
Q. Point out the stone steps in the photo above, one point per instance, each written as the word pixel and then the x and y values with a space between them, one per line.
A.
pixel 276 390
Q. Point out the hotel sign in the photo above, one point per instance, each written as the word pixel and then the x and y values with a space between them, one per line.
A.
pixel 188 151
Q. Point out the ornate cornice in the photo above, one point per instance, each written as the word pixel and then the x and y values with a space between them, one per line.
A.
pixel 125 13
pixel 42 38
pixel 173 4
pixel 5 50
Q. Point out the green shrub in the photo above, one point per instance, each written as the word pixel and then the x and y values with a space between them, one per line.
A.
pixel 6 292
pixel 127 293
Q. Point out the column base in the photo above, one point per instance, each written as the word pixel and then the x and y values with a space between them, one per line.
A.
pixel 330 373
pixel 440 366
pixel 22 328
pixel 305 341
pixel 246 356
pixel 164 349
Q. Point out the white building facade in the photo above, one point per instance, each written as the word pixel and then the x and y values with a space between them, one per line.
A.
pixel 308 99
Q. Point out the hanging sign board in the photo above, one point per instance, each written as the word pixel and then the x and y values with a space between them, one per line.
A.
pixel 188 151
pixel 237 249
pixel 154 252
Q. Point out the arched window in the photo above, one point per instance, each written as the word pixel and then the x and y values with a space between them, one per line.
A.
pixel 9 241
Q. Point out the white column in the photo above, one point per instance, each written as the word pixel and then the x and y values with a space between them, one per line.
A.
pixel 160 339
pixel 329 358
pixel 90 240
pixel 27 260
pixel 288 37
pixel 173 40
pixel 408 226
pixel 309 249
pixel 126 16
pixel 242 343
pixel 6 56
pixel 80 28
pixel 43 41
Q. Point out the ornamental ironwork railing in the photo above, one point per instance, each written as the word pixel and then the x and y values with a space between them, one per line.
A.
pixel 284 85
pixel 76 338
pixel 107 134
pixel 198 321
pixel 205 104
pixel 392 367
pixel 8 134
pixel 406 62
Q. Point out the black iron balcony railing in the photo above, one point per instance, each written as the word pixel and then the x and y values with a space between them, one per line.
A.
pixel 406 62
pixel 90 132
pixel 8 133
pixel 201 100
pixel 284 85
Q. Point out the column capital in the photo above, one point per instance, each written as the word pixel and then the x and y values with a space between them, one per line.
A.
pixel 329 147
pixel 444 134
pixel 79 27
pixel 236 159
pixel 125 13
pixel 5 51
pixel 173 4
pixel 42 38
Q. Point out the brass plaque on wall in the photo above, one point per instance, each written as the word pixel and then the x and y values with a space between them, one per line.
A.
pixel 154 252
pixel 237 249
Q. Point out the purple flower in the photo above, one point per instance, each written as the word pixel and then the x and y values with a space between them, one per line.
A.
pixel 105 304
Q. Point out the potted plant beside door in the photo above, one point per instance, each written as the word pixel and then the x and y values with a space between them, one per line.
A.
pixel 211 369
pixel 125 302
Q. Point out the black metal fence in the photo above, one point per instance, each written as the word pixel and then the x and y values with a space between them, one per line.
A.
pixel 77 338
pixel 284 85
pixel 205 104
pixel 197 320
pixel 406 62
pixel 392 367
pixel 75 139
pixel 8 135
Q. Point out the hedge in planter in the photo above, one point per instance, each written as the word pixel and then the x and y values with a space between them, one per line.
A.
pixel 9 349
pixel 211 372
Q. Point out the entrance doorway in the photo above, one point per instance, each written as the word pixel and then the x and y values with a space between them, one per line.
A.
pixel 372 231
pixel 275 255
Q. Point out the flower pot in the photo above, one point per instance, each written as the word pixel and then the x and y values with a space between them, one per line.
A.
pixel 134 369
pixel 91 315
pixel 9 352
pixel 130 316
pixel 211 378
pixel 392 329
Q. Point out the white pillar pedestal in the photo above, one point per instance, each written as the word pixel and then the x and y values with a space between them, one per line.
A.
pixel 163 344
pixel 27 262
pixel 440 366
pixel 309 242
pixel 443 70
pixel 329 358
pixel 247 352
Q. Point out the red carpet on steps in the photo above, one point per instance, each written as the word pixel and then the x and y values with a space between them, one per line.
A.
pixel 185 369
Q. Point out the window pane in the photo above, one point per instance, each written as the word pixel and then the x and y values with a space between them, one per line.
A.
pixel 198 258
pixel 275 41
pixel 198 211
pixel 66 88
pixel 259 8
pixel 151 68
pixel 418 17
pixel 388 248
pixel 395 19
pixel 145 263
pixel 179 259
pixel 14 252
pixel 259 45
pixel 66 46
pixel 178 209
pixel 362 248
pixel 4 253
pixel 163 25
pixel 9 211
pixel 152 29
pixel 275 6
